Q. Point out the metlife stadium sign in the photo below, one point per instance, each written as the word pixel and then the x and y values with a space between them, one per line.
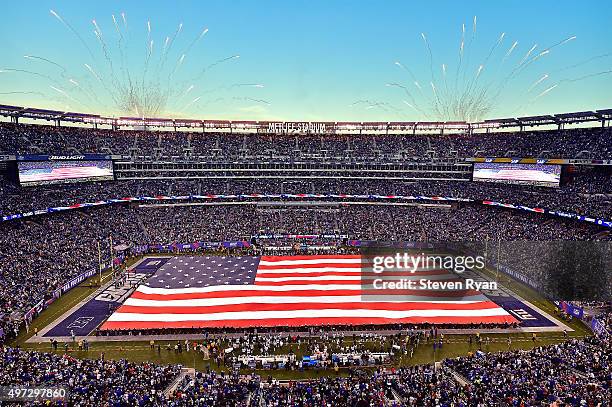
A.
pixel 296 127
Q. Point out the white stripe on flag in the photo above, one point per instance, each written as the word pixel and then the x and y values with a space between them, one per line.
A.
pixel 308 313
pixel 209 302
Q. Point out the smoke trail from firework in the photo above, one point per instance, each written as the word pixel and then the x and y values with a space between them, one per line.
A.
pixel 408 104
pixel 431 70
pixel 581 78
pixel 527 61
pixel 546 91
pixel 192 102
pixel 99 79
pixel 565 41
pixel 98 33
pixel 250 85
pixel 486 60
pixel 510 51
pixel 527 55
pixel 78 86
pixel 213 101
pixel 469 47
pixel 405 69
pixel 20 92
pixel 178 64
pixel 220 61
pixel 461 51
pixel 207 68
pixel 198 38
pixel 407 92
pixel 67 25
pixel 430 55
pixel 34 57
pixel 583 62
pixel 414 79
pixel 116 25
pixel 497 44
pixel 189 89
pixel 536 83
pixel 30 73
pixel 120 45
pixel 168 47
pixel 90 69
pixel 63 93
pixel 249 99
pixel 219 88
pixel 243 98
pixel 545 52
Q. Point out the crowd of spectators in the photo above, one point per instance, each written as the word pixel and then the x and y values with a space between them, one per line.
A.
pixel 213 389
pixel 588 194
pixel 40 139
pixel 89 382
pixel 573 373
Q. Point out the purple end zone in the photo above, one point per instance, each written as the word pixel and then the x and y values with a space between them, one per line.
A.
pixel 527 316
pixel 85 319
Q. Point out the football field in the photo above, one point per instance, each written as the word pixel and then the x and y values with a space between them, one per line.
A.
pixel 85 309
pixel 220 292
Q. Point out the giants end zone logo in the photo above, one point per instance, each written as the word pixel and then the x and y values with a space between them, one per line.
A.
pixel 522 314
pixel 80 322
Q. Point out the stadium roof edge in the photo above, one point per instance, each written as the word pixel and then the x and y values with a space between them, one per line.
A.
pixel 317 126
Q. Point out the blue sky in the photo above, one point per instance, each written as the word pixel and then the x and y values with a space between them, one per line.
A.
pixel 317 60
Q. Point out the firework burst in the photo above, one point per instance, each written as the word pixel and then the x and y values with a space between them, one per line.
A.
pixel 473 85
pixel 133 71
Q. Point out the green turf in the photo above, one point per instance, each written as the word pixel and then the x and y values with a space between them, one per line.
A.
pixel 454 346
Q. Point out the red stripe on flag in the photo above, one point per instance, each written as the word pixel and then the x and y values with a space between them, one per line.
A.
pixel 353 273
pixel 307 266
pixel 298 322
pixel 297 258
pixel 391 306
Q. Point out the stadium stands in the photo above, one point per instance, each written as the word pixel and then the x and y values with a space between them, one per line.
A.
pixel 38 139
pixel 89 382
pixel 588 194
pixel 38 255
pixel 572 373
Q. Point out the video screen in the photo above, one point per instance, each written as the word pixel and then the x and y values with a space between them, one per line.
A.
pixel 528 174
pixel 55 172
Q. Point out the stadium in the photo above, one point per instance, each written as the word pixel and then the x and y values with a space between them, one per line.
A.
pixel 433 257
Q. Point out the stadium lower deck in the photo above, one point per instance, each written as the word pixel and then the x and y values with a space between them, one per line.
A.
pixel 233 294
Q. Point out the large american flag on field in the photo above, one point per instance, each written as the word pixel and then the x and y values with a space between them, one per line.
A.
pixel 243 292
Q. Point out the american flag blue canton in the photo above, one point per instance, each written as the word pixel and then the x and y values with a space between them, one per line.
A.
pixel 200 271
